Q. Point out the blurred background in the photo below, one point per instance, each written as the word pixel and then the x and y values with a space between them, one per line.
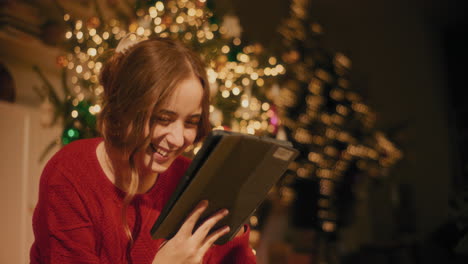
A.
pixel 372 93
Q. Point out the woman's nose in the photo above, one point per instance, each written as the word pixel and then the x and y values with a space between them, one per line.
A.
pixel 175 136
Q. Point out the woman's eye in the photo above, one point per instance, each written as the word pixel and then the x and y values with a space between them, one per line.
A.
pixel 193 123
pixel 163 120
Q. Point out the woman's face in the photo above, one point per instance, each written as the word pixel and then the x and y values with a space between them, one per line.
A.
pixel 176 126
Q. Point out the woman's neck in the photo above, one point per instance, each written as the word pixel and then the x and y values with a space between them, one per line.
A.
pixel 117 169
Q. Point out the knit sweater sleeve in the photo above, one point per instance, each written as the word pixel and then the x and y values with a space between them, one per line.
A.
pixel 62 224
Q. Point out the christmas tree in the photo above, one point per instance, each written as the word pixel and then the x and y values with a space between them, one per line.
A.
pixel 331 125
pixel 238 73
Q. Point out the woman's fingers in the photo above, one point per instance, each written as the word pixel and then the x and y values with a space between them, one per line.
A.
pixel 189 224
pixel 191 246
pixel 209 241
pixel 203 230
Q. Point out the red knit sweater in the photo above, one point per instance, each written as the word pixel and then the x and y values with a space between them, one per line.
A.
pixel 78 215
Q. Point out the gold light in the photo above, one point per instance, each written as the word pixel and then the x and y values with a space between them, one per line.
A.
pixel 260 82
pixel 92 52
pixel 97 39
pixel 280 68
pixel 157 29
pixel 159 6
pixel 153 12
pixel 78 24
pixel 245 102
pixel 272 60
pixel 191 12
pixel 87 75
pixel 225 49
pixel 180 20
pixel 77 89
pixel 157 21
pixel 235 91
pixel 140 31
pixel 328 226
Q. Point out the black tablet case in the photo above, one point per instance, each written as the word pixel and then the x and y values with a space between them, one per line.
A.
pixel 231 170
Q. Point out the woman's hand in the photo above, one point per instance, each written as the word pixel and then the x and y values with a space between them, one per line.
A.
pixel 189 248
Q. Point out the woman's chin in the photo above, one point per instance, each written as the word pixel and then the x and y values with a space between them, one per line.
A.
pixel 160 168
pixel 156 163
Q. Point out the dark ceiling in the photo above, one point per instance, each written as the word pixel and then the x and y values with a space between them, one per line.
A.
pixel 261 18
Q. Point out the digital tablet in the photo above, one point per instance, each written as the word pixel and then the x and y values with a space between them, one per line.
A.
pixel 231 170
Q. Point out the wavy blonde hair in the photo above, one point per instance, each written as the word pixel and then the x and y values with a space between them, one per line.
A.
pixel 137 82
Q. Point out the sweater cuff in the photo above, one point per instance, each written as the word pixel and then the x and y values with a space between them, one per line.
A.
pixel 241 240
pixel 237 250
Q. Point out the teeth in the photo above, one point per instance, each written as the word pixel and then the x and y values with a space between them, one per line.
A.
pixel 159 151
pixel 162 152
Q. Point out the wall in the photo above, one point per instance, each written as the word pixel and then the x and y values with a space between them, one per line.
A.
pixel 22 141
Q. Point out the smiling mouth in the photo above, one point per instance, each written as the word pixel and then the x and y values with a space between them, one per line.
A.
pixel 160 151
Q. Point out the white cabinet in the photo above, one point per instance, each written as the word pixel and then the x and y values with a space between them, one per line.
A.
pixel 22 141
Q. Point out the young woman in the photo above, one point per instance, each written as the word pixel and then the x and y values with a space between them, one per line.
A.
pixel 99 197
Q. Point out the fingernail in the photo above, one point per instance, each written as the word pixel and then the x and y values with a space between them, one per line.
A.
pixel 225 211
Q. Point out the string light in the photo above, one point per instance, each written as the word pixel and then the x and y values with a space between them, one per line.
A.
pixel 235 91
pixel 159 6
pixel 272 60
pixel 233 77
